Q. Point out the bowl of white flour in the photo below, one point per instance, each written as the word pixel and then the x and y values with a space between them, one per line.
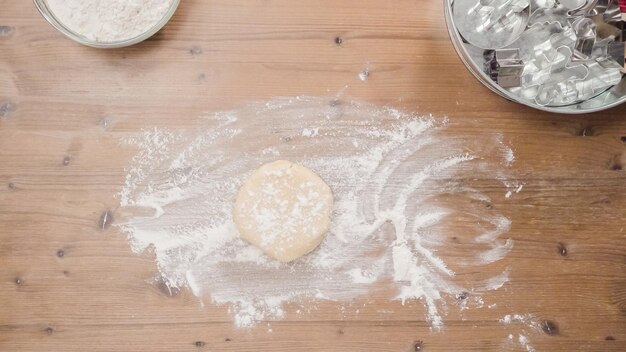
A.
pixel 107 23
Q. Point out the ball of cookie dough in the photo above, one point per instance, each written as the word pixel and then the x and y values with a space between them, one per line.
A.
pixel 284 209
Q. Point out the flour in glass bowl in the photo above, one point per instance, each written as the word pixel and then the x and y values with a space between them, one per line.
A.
pixel 108 21
pixel 395 177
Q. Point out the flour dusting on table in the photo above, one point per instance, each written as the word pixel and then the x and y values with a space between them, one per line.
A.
pixel 526 325
pixel 389 171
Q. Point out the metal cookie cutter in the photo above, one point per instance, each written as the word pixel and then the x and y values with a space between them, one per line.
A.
pixel 567 11
pixel 585 30
pixel 505 67
pixel 491 24
pixel 610 11
pixel 559 87
pixel 603 74
pixel 586 8
pixel 543 41
pixel 549 13
pixel 609 48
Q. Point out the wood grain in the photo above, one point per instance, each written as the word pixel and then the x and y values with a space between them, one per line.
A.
pixel 70 283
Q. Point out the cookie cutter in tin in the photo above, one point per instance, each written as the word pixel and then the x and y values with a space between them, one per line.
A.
pixel 559 69
pixel 566 52
pixel 505 67
pixel 491 24
pixel 585 31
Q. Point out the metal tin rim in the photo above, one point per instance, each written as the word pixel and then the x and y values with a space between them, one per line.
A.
pixel 43 9
pixel 467 61
pixel 459 49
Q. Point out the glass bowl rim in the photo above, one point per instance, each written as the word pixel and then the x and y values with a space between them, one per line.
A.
pixel 43 9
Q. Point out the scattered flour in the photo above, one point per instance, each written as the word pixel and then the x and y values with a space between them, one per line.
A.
pixel 509 156
pixel 365 73
pixel 109 21
pixel 526 321
pixel 390 173
pixel 497 282
pixel 523 341
pixel 513 187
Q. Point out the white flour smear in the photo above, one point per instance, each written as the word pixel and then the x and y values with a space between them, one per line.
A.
pixel 523 342
pixel 529 324
pixel 387 169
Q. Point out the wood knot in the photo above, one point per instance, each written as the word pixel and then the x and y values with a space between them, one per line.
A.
pixel 340 332
pixel 227 339
pixel 7 109
pixel 195 50
pixel 6 31
pixel 586 131
pixel 60 253
pixel 200 343
pixel 418 345
pixel 605 201
pixel 562 250
pixel 49 330
pixel 18 281
pixel 106 219
pixel 609 338
pixel 66 160
pixel 462 296
pixel 105 123
pixel 618 162
pixel 338 40
pixel 12 185
pixel 550 327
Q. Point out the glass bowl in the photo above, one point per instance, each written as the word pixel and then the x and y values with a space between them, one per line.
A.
pixel 42 6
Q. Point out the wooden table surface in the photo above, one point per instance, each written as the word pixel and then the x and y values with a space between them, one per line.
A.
pixel 67 283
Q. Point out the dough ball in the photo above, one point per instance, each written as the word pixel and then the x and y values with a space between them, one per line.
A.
pixel 284 209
